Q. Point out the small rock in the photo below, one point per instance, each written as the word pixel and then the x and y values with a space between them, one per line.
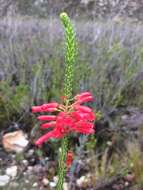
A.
pixel 30 153
pixel 109 143
pixel 25 162
pixel 38 169
pixel 82 181
pixel 29 170
pixel 65 186
pixel 27 181
pixel 4 180
pixel 124 117
pixel 55 178
pixel 13 156
pixel 12 171
pixel 35 184
pixel 45 181
pixel 14 141
pixel 126 184
pixel 46 159
pixel 24 173
pixel 32 161
pixel 52 184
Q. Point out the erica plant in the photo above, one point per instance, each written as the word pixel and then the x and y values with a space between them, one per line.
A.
pixel 70 116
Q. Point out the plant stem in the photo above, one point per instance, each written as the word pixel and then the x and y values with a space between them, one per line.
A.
pixel 62 163
pixel 70 54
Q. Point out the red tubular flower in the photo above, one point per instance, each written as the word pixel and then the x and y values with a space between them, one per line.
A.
pixel 64 122
pixel 45 107
pixel 83 116
pixel 36 109
pixel 82 95
pixel 91 116
pixel 47 125
pixel 83 108
pixel 71 118
pixel 84 127
pixel 51 134
pixel 84 99
pixel 50 105
pixel 69 159
pixel 47 117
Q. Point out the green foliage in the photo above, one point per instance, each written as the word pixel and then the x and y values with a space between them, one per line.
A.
pixel 110 66
pixel 15 97
pixel 135 162
pixel 4 114
pixel 105 67
pixel 13 101
pixel 19 157
pixel 110 58
pixel 39 153
pixel 107 164
pixel 91 143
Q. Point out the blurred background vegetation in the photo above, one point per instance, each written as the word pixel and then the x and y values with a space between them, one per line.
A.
pixel 109 64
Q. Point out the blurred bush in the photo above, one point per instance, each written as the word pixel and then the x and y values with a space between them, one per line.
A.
pixel 31 63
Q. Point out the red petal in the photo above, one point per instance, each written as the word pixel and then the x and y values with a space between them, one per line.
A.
pixel 91 116
pixel 77 115
pixel 83 115
pixel 84 99
pixel 36 109
pixel 51 134
pixel 84 127
pixel 83 108
pixel 47 125
pixel 83 94
pixel 49 107
pixel 45 107
pixel 69 159
pixel 44 138
pixel 47 117
pixel 85 124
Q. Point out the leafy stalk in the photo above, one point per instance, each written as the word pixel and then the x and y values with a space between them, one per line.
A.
pixel 70 55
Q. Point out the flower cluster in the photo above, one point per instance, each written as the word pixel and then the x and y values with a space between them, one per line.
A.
pixel 70 117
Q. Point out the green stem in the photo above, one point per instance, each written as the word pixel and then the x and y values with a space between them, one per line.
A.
pixel 62 163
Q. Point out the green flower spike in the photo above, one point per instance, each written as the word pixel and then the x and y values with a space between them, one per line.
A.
pixel 70 54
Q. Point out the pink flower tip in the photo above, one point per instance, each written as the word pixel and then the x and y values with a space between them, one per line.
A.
pixel 83 94
pixel 84 99
pixel 47 125
pixel 46 117
pixel 82 108
pixel 36 109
